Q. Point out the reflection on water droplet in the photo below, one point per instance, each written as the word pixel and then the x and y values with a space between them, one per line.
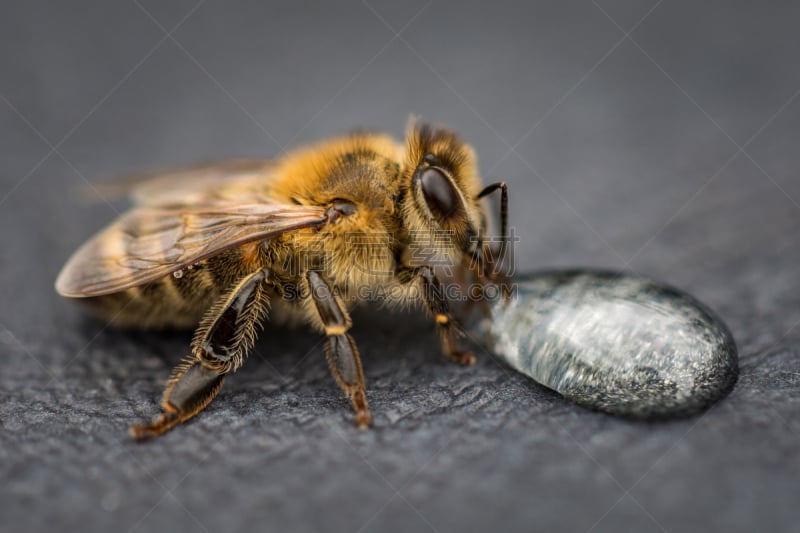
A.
pixel 178 274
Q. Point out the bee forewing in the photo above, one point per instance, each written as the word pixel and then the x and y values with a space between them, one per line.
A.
pixel 148 243
pixel 185 185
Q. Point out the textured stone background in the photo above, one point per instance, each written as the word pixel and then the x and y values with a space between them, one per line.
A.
pixel 659 137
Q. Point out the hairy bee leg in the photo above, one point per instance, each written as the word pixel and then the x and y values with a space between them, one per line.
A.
pixel 220 344
pixel 191 388
pixel 340 348
pixel 434 296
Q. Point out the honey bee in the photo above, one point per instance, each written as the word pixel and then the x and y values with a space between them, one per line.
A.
pixel 217 246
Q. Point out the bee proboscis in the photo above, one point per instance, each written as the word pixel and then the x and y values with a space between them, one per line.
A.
pixel 216 246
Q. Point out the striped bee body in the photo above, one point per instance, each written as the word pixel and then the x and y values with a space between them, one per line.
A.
pixel 303 237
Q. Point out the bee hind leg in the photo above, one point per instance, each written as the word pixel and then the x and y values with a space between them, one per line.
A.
pixel 225 335
pixel 340 348
pixel 191 388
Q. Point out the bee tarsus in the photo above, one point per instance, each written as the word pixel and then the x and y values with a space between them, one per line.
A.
pixel 191 388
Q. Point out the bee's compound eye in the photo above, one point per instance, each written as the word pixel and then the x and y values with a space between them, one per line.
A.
pixel 439 194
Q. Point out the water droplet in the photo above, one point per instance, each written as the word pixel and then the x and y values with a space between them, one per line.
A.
pixel 177 274
pixel 617 343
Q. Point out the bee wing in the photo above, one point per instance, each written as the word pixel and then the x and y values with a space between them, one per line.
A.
pixel 189 185
pixel 147 243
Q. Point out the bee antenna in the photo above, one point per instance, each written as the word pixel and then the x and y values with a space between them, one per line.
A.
pixel 489 189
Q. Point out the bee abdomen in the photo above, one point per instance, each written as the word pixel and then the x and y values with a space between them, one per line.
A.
pixel 176 300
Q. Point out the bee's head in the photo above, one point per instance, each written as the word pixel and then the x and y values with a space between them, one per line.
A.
pixel 442 209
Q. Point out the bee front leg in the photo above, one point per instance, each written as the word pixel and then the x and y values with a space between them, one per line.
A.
pixel 434 295
pixel 340 348
pixel 225 335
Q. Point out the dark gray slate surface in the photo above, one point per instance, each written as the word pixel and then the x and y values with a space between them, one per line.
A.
pixel 672 153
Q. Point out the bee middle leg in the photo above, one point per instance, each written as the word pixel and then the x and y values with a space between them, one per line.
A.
pixel 225 335
pixel 340 348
